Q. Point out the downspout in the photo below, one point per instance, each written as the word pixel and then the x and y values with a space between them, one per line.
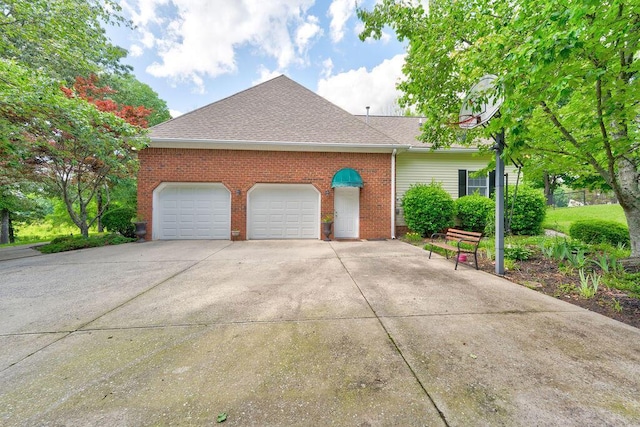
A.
pixel 393 194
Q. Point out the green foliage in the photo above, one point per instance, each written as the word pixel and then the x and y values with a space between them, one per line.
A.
pixel 561 249
pixel 599 231
pixel 567 72
pixel 67 143
pixel 589 284
pixel 118 220
pixel 412 237
pixel 428 209
pixel 560 219
pixel 528 211
pixel 517 253
pixel 70 243
pixel 473 211
pixel 62 38
pixel 629 282
pixel 123 192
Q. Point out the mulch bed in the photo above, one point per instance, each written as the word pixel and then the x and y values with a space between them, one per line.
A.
pixel 543 275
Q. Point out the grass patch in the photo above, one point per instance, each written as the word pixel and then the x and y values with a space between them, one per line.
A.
pixel 70 243
pixel 43 231
pixel 560 219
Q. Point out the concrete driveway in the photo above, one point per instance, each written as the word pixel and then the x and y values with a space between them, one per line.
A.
pixel 299 333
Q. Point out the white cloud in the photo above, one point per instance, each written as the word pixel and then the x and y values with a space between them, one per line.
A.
pixel 354 90
pixel 327 68
pixel 135 50
pixel 265 74
pixel 340 11
pixel 175 113
pixel 306 32
pixel 201 37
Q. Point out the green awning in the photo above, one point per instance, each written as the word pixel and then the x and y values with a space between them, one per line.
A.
pixel 346 177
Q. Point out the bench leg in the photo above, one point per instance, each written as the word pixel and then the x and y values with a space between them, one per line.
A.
pixel 457 258
pixel 475 256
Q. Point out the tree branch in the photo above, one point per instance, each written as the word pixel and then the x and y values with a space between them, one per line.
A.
pixel 589 157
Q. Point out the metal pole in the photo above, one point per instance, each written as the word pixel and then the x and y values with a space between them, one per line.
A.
pixel 499 188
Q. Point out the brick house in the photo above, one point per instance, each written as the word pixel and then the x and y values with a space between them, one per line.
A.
pixel 271 161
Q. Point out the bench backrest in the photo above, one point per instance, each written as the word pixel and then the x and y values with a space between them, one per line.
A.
pixel 455 234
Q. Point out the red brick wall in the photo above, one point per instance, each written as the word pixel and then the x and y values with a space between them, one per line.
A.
pixel 240 170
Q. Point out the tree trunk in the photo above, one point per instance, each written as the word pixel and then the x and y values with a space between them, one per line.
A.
pixel 629 198
pixel 548 192
pixel 99 203
pixel 633 222
pixel 12 237
pixel 4 230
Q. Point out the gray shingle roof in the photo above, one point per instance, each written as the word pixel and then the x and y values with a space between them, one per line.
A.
pixel 402 129
pixel 405 130
pixel 279 110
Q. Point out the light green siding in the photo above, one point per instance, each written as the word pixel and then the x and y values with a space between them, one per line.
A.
pixel 442 167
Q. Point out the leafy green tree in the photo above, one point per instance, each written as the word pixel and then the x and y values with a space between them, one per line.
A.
pixel 45 45
pixel 568 72
pixel 66 142
pixel 62 38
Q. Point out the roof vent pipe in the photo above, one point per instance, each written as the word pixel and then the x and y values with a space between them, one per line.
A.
pixel 367 107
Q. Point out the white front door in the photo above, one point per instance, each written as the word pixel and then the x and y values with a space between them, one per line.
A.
pixel 346 223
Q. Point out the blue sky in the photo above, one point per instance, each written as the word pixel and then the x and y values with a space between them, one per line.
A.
pixel 194 52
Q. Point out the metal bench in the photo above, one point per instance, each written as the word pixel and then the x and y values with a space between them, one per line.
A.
pixel 459 241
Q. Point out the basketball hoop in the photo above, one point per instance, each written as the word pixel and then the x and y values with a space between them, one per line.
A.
pixel 467 122
pixel 481 103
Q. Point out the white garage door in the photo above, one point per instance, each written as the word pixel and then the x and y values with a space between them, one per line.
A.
pixel 192 211
pixel 283 211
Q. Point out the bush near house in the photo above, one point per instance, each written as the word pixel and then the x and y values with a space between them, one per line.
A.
pixel 528 212
pixel 428 209
pixel 473 211
pixel 118 220
pixel 600 231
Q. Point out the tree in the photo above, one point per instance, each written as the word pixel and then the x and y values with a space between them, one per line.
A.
pixel 567 70
pixel 65 142
pixel 62 38
pixel 130 91
pixel 101 97
pixel 45 45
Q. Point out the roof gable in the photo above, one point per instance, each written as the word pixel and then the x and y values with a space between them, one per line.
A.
pixel 278 110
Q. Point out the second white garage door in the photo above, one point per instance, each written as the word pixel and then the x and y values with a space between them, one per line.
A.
pixel 192 211
pixel 283 211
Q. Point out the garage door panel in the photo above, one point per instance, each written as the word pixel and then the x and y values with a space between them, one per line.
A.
pixel 189 211
pixel 283 211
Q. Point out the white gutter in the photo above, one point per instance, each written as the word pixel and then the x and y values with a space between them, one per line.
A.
pixel 273 146
pixel 393 194
pixel 415 149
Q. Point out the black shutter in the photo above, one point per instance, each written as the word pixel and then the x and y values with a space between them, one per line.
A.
pixel 492 182
pixel 462 182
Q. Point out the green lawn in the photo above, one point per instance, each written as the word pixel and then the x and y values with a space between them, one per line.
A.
pixel 560 219
pixel 43 232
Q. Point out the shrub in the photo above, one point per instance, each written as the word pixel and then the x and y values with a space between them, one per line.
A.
pixel 594 231
pixel 517 253
pixel 119 221
pixel 70 243
pixel 529 210
pixel 428 209
pixel 473 211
